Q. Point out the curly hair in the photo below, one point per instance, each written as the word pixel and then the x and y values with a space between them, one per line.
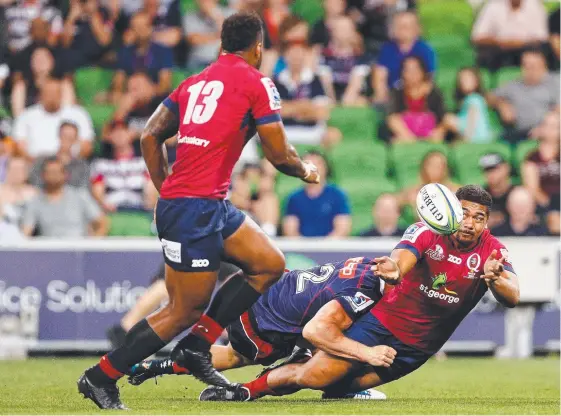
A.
pixel 475 193
pixel 240 31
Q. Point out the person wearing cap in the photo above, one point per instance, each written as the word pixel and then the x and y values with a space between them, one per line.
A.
pixel 498 184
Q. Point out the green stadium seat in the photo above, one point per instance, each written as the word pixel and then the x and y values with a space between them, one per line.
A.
pixel 465 159
pixel 130 224
pixel 362 195
pixel 100 114
pixel 522 150
pixel 356 124
pixel 178 77
pixel 508 74
pixel 406 160
pixel 90 81
pixel 361 161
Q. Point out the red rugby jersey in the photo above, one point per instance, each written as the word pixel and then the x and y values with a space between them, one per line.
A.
pixel 434 297
pixel 218 111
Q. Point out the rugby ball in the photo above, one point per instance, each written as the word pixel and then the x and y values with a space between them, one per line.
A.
pixel 439 209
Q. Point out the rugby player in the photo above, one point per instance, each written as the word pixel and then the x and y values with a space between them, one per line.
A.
pixel 213 114
pixel 438 280
pixel 322 296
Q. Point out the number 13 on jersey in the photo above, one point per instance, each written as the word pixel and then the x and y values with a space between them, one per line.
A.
pixel 203 101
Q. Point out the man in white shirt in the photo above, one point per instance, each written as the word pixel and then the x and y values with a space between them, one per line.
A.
pixel 36 129
pixel 505 28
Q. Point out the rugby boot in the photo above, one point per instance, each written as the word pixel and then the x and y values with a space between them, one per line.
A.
pixel 105 396
pixel 234 393
pixel 368 394
pixel 199 364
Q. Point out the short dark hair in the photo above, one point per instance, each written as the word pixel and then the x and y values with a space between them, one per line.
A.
pixel 48 161
pixel 240 31
pixel 68 124
pixel 475 193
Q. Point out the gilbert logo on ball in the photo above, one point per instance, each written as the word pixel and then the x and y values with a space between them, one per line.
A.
pixel 439 209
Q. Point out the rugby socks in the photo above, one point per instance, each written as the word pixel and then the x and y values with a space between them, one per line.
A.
pixel 234 298
pixel 140 342
pixel 259 387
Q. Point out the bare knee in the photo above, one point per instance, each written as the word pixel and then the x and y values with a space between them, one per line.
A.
pixel 311 379
pixel 268 271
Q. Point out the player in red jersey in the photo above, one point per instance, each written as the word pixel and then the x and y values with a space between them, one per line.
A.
pixel 213 114
pixel 438 280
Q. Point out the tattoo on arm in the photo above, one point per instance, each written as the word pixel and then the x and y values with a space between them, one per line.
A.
pixel 162 125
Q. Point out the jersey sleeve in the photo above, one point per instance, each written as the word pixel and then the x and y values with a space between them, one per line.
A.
pixel 172 101
pixel 503 252
pixel 265 101
pixel 356 302
pixel 417 239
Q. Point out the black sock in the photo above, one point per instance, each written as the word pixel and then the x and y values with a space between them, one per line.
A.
pixel 140 343
pixel 234 298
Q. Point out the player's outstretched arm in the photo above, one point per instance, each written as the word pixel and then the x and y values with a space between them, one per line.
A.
pixel 325 331
pixel 283 155
pixel 503 284
pixel 392 269
pixel 162 125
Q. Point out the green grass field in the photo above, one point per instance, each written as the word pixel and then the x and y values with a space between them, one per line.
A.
pixel 453 386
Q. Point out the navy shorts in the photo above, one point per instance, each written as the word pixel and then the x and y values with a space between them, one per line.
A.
pixel 260 347
pixel 368 330
pixel 192 231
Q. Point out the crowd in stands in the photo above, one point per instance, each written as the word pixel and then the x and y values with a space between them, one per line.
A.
pixel 65 174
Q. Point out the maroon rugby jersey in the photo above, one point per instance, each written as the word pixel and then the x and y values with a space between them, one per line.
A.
pixel 434 297
pixel 218 111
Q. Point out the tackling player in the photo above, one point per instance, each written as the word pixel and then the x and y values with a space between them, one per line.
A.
pixel 438 280
pixel 213 113
pixel 322 296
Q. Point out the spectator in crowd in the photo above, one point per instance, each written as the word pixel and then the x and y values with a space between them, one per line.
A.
pixel 61 211
pixel 253 192
pixel 293 30
pixel 372 18
pixel 166 18
pixel 385 217
pixel 540 170
pixel 521 221
pixel 553 217
pixel 26 85
pixel 345 66
pixel 4 72
pixel 416 109
pixel 320 33
pixel 36 130
pixel 19 16
pixel 4 156
pixel 143 55
pixel 9 232
pixel 119 178
pixel 498 183
pixel 138 103
pixel 522 104
pixel 318 210
pixel 39 38
pixel 306 108
pixel 505 28
pixel 554 38
pixel 15 192
pixel 433 169
pixel 471 122
pixel 77 170
pixel 274 13
pixel 406 42
pixel 203 32
pixel 88 32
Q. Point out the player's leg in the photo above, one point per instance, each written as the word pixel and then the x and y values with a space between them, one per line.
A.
pixel 261 264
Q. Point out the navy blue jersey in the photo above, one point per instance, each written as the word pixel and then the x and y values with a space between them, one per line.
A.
pixel 294 300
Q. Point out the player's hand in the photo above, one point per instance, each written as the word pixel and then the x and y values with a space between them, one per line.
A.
pixel 312 174
pixel 380 356
pixel 387 269
pixel 493 267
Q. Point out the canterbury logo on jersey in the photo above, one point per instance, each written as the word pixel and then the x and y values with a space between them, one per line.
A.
pixel 194 141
